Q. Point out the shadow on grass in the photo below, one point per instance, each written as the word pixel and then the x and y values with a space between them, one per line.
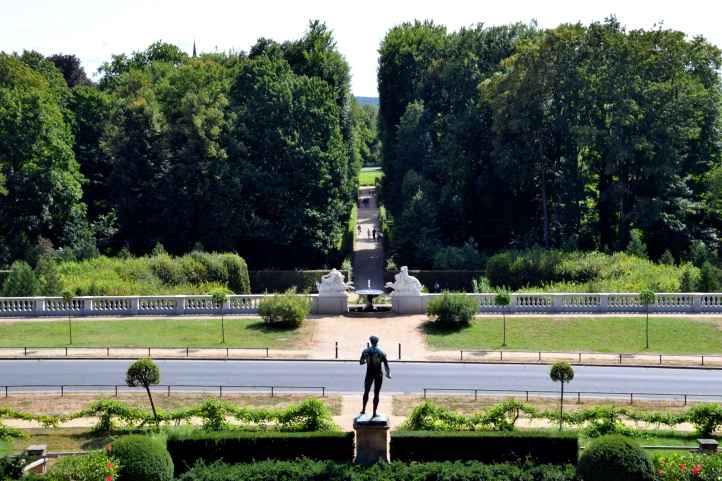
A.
pixel 270 328
pixel 442 329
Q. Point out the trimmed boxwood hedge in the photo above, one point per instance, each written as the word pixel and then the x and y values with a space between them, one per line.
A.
pixel 142 458
pixel 449 280
pixel 242 447
pixel 307 470
pixel 281 281
pixel 485 447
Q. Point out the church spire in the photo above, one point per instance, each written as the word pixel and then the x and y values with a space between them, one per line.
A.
pixel 194 48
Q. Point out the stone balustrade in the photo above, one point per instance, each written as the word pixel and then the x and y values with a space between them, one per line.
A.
pixel 131 305
pixel 603 303
pixel 532 303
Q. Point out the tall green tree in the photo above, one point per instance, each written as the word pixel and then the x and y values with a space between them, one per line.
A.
pixel 287 145
pixel 42 178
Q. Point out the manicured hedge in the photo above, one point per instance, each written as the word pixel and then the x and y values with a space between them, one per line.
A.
pixel 307 470
pixel 460 281
pixel 142 458
pixel 281 281
pixel 486 447
pixel 242 447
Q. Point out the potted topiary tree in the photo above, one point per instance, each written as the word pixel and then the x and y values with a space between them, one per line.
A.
pixel 503 299
pixel 68 301
pixel 144 372
pixel 219 299
pixel 561 372
pixel 647 298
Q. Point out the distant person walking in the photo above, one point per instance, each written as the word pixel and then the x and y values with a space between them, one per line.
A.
pixel 358 228
pixel 373 232
pixel 368 233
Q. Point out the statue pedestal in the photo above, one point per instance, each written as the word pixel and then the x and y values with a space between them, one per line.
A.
pixel 372 439
pixel 408 304
pixel 331 304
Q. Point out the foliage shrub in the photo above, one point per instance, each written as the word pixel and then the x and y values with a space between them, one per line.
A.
pixel 575 271
pixel 21 281
pixel 487 447
pixel 11 467
pixel 94 466
pixel 709 278
pixel 48 277
pixel 285 310
pixel 196 273
pixel 450 310
pixel 308 470
pixel 242 447
pixel 688 467
pixel 706 417
pixel 636 245
pixel 309 415
pixel 615 458
pixel 466 257
pixel 503 416
pixel 142 458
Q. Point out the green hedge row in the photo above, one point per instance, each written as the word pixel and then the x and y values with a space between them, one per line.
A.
pixel 243 447
pixel 281 281
pixel 486 447
pixel 160 274
pixel 307 470
pixel 449 280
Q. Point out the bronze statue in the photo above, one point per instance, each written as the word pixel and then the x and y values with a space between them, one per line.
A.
pixel 374 358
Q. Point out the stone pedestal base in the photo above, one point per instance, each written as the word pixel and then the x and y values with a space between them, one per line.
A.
pixel 325 304
pixel 372 439
pixel 402 304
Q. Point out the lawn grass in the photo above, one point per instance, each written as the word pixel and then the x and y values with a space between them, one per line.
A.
pixel 368 177
pixel 149 333
pixel 590 334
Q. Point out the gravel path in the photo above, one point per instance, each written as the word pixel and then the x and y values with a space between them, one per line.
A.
pixel 368 258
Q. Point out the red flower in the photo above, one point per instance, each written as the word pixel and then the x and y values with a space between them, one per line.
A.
pixel 110 465
pixel 682 467
pixel 109 477
pixel 696 469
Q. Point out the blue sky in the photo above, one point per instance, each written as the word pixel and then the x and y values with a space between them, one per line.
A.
pixel 95 29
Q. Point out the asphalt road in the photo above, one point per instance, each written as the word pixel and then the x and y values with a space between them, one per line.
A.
pixel 348 376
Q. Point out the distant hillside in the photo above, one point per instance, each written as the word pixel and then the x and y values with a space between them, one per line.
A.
pixel 368 101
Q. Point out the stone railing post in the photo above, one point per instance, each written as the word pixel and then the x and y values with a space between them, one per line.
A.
pixel 134 305
pixel 696 302
pixel 180 305
pixel 603 303
pixel 39 306
pixel 557 302
pixel 513 304
pixel 87 306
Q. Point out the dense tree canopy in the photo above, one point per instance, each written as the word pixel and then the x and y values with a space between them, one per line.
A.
pixel 572 137
pixel 249 153
pixel 42 181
